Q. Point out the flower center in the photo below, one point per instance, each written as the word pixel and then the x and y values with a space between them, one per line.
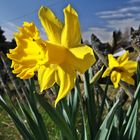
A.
pixel 118 69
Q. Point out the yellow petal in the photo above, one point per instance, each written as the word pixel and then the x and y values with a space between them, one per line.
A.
pixel 23 72
pixel 112 61
pixel 130 66
pixel 67 82
pixel 115 78
pixel 27 46
pixel 28 54
pixel 127 78
pixel 51 24
pixel 46 76
pixel 29 30
pixel 123 58
pixel 81 59
pixel 26 73
pixel 106 72
pixel 71 34
pixel 12 65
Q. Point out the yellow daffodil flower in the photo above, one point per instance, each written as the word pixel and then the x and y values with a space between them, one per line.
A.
pixel 56 60
pixel 121 69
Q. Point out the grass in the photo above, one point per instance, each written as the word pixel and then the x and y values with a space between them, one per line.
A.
pixel 8 130
pixel 53 130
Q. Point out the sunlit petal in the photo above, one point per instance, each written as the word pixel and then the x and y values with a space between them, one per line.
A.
pixel 115 78
pixel 71 34
pixel 67 82
pixel 51 24
pixel 29 30
pixel 112 61
pixel 106 73
pixel 123 58
pixel 130 66
pixel 26 73
pixel 127 78
pixel 46 76
pixel 82 58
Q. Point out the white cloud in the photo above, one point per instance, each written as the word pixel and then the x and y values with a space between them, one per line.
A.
pixel 121 13
pixel 102 33
pixel 9 29
pixel 122 24
pixel 117 15
pixel 123 10
pixel 134 1
pixel 122 18
pixel 119 19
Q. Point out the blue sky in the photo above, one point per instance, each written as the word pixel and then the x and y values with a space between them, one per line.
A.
pixel 96 16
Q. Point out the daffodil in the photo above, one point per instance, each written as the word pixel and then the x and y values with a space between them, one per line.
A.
pixel 120 69
pixel 56 60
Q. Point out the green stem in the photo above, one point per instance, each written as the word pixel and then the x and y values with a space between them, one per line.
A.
pixel 90 106
pixel 103 103
pixel 82 111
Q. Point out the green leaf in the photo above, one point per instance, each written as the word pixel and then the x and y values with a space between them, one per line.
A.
pixel 32 114
pixel 73 102
pixel 106 126
pixel 57 118
pixel 131 127
pixel 130 122
pixel 19 124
